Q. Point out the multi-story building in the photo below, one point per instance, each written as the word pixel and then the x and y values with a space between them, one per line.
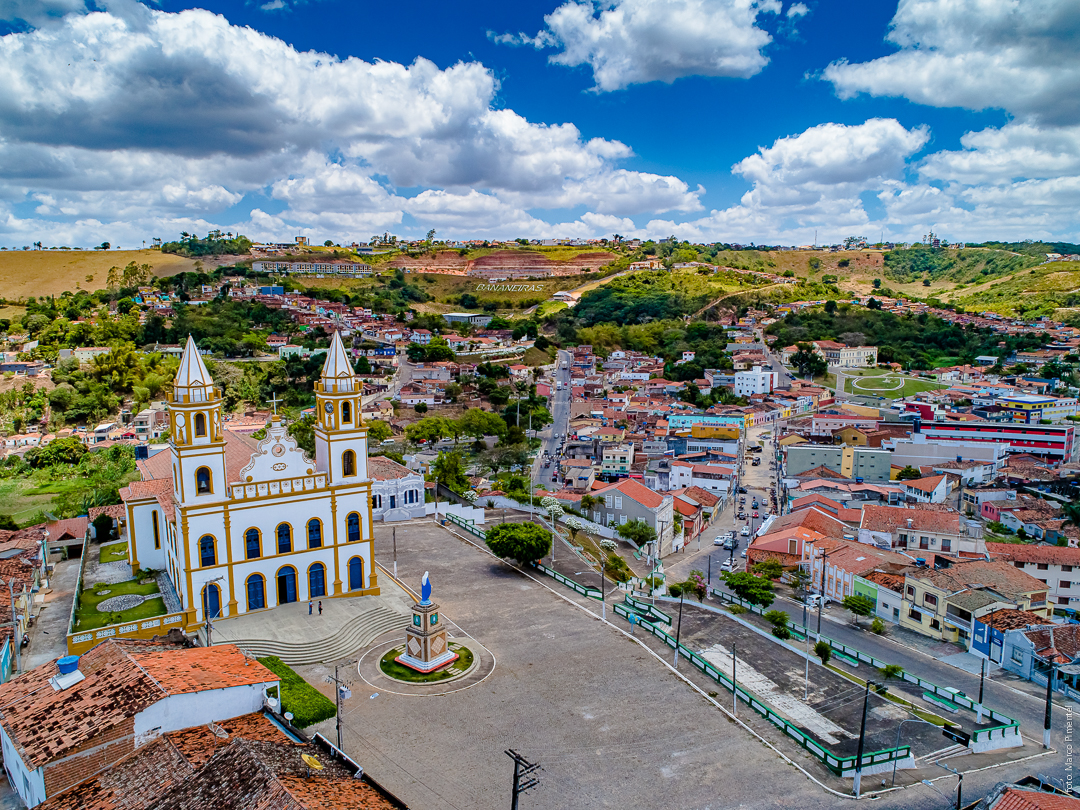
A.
pixel 755 381
pixel 630 500
pixel 1055 442
pixel 1057 567
pixel 860 463
pixel 617 459
pixel 919 531
pixel 1032 409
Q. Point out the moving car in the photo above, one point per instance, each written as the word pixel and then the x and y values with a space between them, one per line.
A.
pixel 745 531
pixel 741 516
pixel 728 565
pixel 742 490
pixel 721 539
pixel 755 514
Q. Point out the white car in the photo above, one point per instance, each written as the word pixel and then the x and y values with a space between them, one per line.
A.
pixel 723 538
pixel 729 565
pixel 745 531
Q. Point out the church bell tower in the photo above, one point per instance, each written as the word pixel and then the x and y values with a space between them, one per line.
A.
pixel 195 426
pixel 340 435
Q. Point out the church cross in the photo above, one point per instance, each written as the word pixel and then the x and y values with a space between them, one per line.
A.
pixel 274 401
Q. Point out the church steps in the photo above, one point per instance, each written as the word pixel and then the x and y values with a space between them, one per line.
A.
pixel 340 644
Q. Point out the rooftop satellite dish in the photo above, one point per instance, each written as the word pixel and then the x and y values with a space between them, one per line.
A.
pixel 311 762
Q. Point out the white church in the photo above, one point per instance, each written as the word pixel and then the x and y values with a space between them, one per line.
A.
pixel 242 525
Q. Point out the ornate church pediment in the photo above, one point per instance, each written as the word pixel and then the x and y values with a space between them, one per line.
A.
pixel 277 456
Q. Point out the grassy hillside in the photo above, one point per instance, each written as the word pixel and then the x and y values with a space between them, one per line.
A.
pixel 26 273
pixel 1042 290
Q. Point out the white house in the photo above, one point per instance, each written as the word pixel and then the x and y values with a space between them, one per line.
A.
pixel 239 528
pixel 755 381
pixel 934 489
pixel 397 493
pixel 57 727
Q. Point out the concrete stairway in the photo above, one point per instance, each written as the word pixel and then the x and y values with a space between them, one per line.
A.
pixel 347 639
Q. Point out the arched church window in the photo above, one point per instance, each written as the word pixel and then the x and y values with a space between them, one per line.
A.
pixel 352 525
pixel 207 552
pixel 200 424
pixel 284 538
pixel 348 463
pixel 202 481
pixel 252 544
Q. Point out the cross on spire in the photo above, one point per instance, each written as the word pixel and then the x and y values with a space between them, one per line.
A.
pixel 274 401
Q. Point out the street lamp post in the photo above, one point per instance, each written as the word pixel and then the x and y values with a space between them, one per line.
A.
pixel 821 599
pixel 899 728
pixel 959 783
pixel 678 630
pixel 862 740
pixel 206 605
pixel 1049 706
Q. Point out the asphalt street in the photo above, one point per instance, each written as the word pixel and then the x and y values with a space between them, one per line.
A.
pixel 559 404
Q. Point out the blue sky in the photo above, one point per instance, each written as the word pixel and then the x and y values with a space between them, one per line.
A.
pixel 715 120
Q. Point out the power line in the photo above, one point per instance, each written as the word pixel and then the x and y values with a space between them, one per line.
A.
pixel 524 781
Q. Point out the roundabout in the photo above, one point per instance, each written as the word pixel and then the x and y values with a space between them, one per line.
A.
pixel 461 665
pixel 481 663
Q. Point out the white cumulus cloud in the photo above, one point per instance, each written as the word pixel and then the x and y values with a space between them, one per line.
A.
pixel 978 54
pixel 628 42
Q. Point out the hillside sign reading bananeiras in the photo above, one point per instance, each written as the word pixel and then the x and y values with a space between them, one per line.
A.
pixel 509 287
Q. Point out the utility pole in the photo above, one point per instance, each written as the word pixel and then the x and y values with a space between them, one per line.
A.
pixel 959 783
pixel 603 585
pixel 821 600
pixel 340 687
pixel 862 740
pixel 16 642
pixel 1049 706
pixel 395 552
pixel 734 685
pixel 678 630
pixel 523 782
pixel 982 679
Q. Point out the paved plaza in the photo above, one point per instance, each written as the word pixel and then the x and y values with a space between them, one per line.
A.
pixel 610 723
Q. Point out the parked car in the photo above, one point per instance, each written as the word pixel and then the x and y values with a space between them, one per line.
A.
pixel 741 516
pixel 742 490
pixel 728 565
pixel 744 553
pixel 721 539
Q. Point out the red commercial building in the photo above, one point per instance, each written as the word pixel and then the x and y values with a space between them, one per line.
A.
pixel 1053 442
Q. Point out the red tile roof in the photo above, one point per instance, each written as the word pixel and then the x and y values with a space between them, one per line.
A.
pixel 1022 552
pixel 122 678
pixel 892 518
pixel 382 468
pixel 1014 798
pixel 927 485
pixel 639 492
pixel 1012 619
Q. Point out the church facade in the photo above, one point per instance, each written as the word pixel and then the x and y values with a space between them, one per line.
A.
pixel 242 526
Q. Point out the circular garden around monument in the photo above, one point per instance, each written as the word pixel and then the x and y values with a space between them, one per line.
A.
pixel 460 666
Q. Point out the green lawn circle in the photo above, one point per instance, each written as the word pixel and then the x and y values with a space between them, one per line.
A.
pixel 399 672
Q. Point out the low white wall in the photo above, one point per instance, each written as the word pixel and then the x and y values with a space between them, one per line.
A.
pixel 464 512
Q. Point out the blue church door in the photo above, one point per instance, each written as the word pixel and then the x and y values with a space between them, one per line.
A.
pixel 286 585
pixel 211 602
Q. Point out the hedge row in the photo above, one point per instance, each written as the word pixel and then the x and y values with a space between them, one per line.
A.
pixel 307 704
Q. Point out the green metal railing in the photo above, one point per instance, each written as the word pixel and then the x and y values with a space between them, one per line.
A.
pixel 842 766
pixel 1005 724
pixel 591 593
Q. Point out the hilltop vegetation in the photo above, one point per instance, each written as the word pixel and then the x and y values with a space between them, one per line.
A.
pixel 915 341
pixel 26 273
pixel 214 243
pixel 1043 290
pixel 921 262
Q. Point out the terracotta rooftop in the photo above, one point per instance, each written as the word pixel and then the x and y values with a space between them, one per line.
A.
pixel 894 582
pixel 1012 619
pixel 889 519
pixel 381 468
pixel 821 472
pixel 997 575
pixel 1016 798
pixel 927 485
pixel 247 762
pixel 122 678
pixel 1022 552
pixel 635 490
pixel 1060 643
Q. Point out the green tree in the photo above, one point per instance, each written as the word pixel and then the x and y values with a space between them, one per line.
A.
pixel 753 589
pixel 909 473
pixel 770 569
pixel 479 423
pixel 830 306
pixel 637 532
pixel 428 429
pixel 378 431
pixel 779 621
pixel 420 407
pixel 303 431
pixel 823 650
pixel 859 605
pixel 449 470
pixel 891 671
pixel 807 361
pixel 524 542
pixel 7 522
pixel 59 451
